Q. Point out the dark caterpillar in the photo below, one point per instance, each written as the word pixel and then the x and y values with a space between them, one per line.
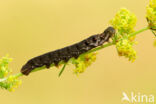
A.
pixel 68 52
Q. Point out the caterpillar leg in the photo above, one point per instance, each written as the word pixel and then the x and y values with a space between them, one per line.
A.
pixel 47 65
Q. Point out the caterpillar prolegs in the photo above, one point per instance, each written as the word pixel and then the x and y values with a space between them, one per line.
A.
pixel 64 54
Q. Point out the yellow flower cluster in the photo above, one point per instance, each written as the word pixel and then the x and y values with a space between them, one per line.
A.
pixel 83 61
pixel 124 48
pixel 4 69
pixel 124 21
pixel 151 14
pixel 10 82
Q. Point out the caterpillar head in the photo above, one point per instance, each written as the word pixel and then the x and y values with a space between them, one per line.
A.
pixel 110 30
pixel 107 34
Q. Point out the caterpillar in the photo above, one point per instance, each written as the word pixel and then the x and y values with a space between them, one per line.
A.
pixel 64 54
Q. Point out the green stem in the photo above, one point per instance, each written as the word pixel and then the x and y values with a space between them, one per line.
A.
pixel 139 31
pixel 41 68
pixel 99 48
pixel 62 69
pixel 93 50
pixel 18 75
pixel 153 32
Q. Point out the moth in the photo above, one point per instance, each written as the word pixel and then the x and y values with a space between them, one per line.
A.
pixel 64 54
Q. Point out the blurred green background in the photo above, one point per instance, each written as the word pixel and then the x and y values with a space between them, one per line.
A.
pixel 32 27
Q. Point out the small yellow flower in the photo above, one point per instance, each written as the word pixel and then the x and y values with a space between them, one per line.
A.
pixel 151 14
pixel 124 48
pixel 11 82
pixel 124 21
pixel 83 61
pixel 4 69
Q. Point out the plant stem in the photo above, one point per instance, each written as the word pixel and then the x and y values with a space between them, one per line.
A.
pixel 99 48
pixel 62 69
pixel 93 50
pixel 139 31
pixel 153 32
